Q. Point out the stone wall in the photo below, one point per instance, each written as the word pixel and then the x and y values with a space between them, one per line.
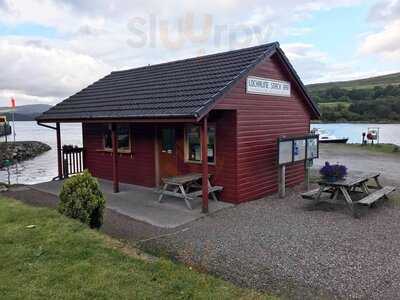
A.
pixel 20 151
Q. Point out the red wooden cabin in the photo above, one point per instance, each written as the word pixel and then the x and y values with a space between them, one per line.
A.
pixel 143 124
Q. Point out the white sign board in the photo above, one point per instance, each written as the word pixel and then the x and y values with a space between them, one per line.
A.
pixel 312 148
pixel 299 150
pixel 285 152
pixel 296 149
pixel 265 86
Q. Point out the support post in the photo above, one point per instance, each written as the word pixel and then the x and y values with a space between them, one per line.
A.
pixel 282 182
pixel 204 159
pixel 115 157
pixel 156 157
pixel 307 164
pixel 59 153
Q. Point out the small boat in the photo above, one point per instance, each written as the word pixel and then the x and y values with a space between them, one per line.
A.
pixel 326 137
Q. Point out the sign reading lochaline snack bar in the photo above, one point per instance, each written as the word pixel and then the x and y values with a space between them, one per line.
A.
pixel 265 86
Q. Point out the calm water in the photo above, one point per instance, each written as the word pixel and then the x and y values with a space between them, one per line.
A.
pixel 44 167
pixel 389 133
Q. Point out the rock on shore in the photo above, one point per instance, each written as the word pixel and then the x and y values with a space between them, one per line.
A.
pixel 20 151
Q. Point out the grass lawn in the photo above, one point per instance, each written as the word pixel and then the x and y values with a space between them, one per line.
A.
pixel 62 259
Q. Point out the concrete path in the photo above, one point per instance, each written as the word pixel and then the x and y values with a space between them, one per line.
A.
pixel 141 204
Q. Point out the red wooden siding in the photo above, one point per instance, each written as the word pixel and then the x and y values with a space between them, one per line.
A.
pixel 136 168
pixel 246 141
pixel 224 170
pixel 261 119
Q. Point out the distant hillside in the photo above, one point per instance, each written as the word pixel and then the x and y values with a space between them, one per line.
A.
pixel 375 99
pixel 390 79
pixel 27 112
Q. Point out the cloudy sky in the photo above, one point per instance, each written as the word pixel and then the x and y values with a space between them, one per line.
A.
pixel 50 49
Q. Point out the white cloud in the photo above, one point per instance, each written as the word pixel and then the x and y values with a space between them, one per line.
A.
pixel 385 41
pixel 94 37
pixel 385 11
pixel 39 71
pixel 314 65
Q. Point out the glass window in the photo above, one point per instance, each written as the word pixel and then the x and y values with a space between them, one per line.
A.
pixel 123 138
pixel 167 140
pixel 193 147
pixel 108 138
pixel 211 144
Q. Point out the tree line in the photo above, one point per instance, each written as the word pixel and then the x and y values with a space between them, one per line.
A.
pixel 364 104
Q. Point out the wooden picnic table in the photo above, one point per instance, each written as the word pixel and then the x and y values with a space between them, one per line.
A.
pixel 180 186
pixel 352 184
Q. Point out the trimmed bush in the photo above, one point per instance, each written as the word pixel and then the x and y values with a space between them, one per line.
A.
pixel 81 199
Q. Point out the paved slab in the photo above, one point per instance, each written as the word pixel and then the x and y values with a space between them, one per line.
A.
pixel 140 203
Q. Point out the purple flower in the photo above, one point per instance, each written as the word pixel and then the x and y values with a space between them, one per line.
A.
pixel 336 170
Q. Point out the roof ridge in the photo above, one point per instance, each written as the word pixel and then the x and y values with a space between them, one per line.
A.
pixel 197 57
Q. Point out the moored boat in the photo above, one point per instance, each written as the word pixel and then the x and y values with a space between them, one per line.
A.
pixel 326 137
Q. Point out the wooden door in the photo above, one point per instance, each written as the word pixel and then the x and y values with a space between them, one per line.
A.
pixel 168 159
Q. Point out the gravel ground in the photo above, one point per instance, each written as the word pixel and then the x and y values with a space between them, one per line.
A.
pixel 284 246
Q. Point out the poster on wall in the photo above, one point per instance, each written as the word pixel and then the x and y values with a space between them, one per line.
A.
pixel 312 148
pixel 285 152
pixel 299 150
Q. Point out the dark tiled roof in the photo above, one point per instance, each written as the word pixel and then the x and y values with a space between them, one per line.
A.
pixel 180 89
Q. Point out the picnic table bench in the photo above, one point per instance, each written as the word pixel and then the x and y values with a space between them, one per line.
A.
pixel 181 186
pixel 352 184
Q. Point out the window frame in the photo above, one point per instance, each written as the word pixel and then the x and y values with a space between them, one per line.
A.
pixel 186 144
pixel 108 149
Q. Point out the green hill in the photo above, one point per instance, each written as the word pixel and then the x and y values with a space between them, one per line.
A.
pixel 390 79
pixel 375 99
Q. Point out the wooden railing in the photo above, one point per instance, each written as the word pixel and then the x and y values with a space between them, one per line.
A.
pixel 73 162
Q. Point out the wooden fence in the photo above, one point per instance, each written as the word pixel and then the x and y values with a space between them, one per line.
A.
pixel 73 162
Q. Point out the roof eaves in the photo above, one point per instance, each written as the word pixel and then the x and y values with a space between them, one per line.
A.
pixel 44 118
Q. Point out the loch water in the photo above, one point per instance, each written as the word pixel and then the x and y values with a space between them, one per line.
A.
pixel 44 167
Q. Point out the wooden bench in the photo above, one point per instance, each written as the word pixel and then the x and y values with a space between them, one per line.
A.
pixel 311 195
pixel 179 186
pixel 200 192
pixel 375 196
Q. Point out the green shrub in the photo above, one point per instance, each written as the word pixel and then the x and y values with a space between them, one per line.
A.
pixel 81 199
